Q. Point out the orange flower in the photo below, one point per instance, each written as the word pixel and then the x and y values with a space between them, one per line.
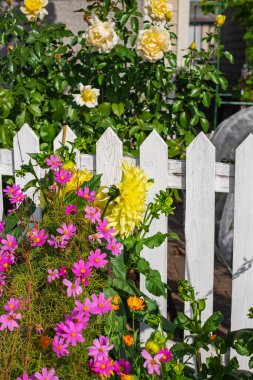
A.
pixel 115 302
pixel 212 337
pixel 128 340
pixel 135 303
pixel 45 341
pixel 127 377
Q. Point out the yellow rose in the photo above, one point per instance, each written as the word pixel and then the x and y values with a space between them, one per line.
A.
pixel 101 35
pixel 193 46
pixel 34 9
pixel 160 9
pixel 153 43
pixel 220 20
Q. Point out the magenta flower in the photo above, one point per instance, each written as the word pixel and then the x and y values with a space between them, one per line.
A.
pixel 81 269
pixel 11 190
pixel 81 318
pixel 9 244
pixel 72 333
pixel 63 271
pixel 73 289
pixel 83 307
pixel 166 355
pixel 46 375
pixel 67 230
pixel 6 260
pixel 60 347
pixel 105 230
pixel 17 197
pixel 114 246
pixel 86 194
pixel 104 367
pixel 24 377
pixel 12 305
pixel 100 305
pixel 71 209
pixel 2 226
pixel 9 321
pixel 63 176
pixel 100 348
pixel 58 241
pixel 36 237
pixel 54 162
pixel 96 259
pixel 152 363
pixel 52 275
pixel 93 214
pixel 122 366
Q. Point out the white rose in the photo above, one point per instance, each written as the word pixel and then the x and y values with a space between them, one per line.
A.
pixel 101 35
pixel 152 43
pixel 88 96
pixel 34 9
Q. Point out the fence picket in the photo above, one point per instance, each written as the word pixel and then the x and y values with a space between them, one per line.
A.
pixel 154 161
pixel 109 154
pixel 70 137
pixel 242 291
pixel 24 142
pixel 199 219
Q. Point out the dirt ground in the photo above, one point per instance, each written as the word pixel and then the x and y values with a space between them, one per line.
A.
pixel 176 265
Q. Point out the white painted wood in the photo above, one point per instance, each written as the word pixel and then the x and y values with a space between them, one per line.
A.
pixel 88 161
pixel 109 154
pixel 6 162
pixel 1 199
pixel 242 290
pixel 70 137
pixel 199 219
pixel 154 161
pixel 183 29
pixel 26 141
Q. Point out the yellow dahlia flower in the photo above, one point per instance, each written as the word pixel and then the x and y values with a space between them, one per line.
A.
pixel 34 9
pixel 127 213
pixel 78 178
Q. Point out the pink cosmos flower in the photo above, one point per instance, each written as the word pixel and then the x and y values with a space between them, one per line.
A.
pixel 73 289
pixel 9 321
pixel 81 269
pixel 54 162
pixel 81 318
pixel 71 209
pixel 60 347
pixel 100 305
pixel 12 305
pixel 83 307
pixel 166 355
pixel 24 377
pixel 52 275
pixel 36 237
pixel 46 375
pixel 72 333
pixel 2 226
pixel 11 190
pixel 54 188
pixel 96 237
pixel 122 366
pixel 63 176
pixel 152 363
pixel 6 260
pixel 58 241
pixel 96 259
pixel 104 229
pixel 114 246
pixel 86 194
pixel 67 230
pixel 17 197
pixel 63 271
pixel 104 367
pixel 9 244
pixel 93 214
pixel 100 348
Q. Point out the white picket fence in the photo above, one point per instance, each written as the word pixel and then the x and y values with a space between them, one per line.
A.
pixel 201 176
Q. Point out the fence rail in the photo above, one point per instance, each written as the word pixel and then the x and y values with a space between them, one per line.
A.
pixel 202 177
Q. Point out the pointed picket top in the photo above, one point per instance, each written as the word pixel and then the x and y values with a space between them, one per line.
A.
pixel 242 275
pixel 109 154
pixel 201 141
pixel 25 142
pixel 70 137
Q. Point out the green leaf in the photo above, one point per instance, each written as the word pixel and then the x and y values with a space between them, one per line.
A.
pixel 181 349
pixel 118 267
pixel 173 235
pixel 195 92
pixel 206 99
pixel 143 265
pixel 213 322
pixel 118 108
pixel 104 108
pixel 223 82
pixel 177 106
pixel 124 19
pixel 155 240
pixel 204 124
pixel 135 24
pixel 92 184
pixel 183 119
pixel 154 283
pixel 10 222
pixel 229 56
pixel 34 109
pixel 47 132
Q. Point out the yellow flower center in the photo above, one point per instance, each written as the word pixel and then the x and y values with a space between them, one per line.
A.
pixel 62 177
pixel 33 6
pixel 59 348
pixel 97 260
pixel 100 305
pixel 37 240
pixel 9 244
pixel 153 362
pixel 73 334
pixel 83 270
pixel 102 366
pixel 88 96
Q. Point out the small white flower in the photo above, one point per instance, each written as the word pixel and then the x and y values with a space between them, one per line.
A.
pixel 101 35
pixel 88 96
pixel 34 9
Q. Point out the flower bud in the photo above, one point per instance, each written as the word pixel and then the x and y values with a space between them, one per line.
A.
pixel 220 20
pixel 193 46
pixel 168 15
pixel 10 47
